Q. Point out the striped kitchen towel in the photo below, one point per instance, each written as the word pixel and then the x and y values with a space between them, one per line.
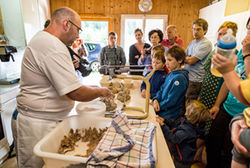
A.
pixel 126 143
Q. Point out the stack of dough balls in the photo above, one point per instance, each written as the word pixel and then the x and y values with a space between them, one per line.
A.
pixel 123 95
pixel 110 103
pixel 117 86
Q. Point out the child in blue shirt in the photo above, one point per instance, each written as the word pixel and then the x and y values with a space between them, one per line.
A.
pixel 184 132
pixel 158 78
pixel 169 99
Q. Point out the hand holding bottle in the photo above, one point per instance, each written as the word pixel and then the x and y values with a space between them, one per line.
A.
pixel 225 47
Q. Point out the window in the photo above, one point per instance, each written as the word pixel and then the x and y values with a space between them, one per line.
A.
pixel 95 30
pixel 145 22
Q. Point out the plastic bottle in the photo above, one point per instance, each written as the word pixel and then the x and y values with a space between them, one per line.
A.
pixel 225 47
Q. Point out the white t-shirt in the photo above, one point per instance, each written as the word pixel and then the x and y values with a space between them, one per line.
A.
pixel 47 76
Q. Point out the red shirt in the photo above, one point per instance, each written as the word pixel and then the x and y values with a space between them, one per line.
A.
pixel 178 41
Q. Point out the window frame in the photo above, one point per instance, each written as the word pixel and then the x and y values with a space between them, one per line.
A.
pixel 140 16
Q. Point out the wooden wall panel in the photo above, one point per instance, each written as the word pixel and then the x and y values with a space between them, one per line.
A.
pixel 180 12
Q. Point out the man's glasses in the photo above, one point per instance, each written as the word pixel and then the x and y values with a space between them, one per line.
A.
pixel 78 28
pixel 248 27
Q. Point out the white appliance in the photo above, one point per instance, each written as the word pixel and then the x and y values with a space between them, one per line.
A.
pixel 7 106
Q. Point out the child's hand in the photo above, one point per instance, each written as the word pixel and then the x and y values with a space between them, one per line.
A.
pixel 143 93
pixel 160 120
pixel 156 105
pixel 214 111
pixel 137 56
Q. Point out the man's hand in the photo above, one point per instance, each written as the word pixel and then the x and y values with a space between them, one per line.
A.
pixel 105 92
pixel 237 127
pixel 156 105
pixel 214 111
pixel 143 93
pixel 222 64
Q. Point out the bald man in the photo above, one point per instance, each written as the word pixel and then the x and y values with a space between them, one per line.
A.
pixel 172 38
pixel 48 85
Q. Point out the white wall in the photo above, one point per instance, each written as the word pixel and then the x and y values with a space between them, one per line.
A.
pixel 13 22
pixel 35 13
pixel 214 14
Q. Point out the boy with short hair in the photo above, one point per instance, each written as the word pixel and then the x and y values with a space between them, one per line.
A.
pixel 112 54
pixel 168 101
pixel 158 78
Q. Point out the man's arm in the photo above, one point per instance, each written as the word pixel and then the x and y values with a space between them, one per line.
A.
pixel 85 93
pixel 201 53
pixel 191 60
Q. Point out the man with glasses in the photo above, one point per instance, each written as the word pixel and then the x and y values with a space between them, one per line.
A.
pixel 197 52
pixel 48 85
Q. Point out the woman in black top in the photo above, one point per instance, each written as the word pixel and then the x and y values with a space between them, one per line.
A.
pixel 135 51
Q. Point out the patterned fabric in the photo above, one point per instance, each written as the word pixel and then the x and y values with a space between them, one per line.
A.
pixel 209 85
pixel 126 143
pixel 112 56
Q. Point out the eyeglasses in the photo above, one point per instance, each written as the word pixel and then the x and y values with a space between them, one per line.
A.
pixel 248 27
pixel 78 28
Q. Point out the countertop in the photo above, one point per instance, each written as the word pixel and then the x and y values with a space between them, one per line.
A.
pixel 164 159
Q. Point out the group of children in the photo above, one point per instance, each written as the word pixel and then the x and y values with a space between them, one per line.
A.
pixel 167 91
